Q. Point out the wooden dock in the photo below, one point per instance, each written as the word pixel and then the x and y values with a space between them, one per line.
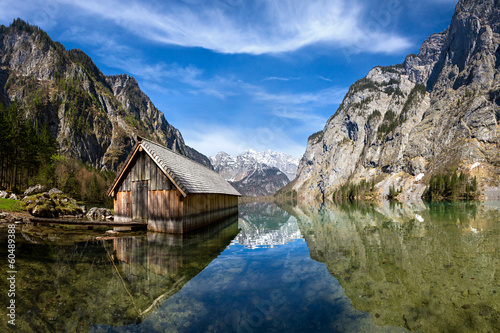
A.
pixel 90 224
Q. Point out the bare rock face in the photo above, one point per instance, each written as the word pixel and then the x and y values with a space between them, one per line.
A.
pixel 261 181
pixel 437 111
pixel 95 118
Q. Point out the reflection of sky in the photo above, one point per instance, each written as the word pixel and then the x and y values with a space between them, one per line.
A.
pixel 259 290
pixel 254 237
pixel 265 281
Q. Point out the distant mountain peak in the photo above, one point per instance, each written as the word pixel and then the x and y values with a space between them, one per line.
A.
pixel 256 173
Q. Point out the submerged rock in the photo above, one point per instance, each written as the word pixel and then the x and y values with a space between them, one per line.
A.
pixel 12 218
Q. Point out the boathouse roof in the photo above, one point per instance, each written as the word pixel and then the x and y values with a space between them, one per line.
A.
pixel 187 175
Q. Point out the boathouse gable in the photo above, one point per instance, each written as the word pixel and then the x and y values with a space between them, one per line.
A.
pixel 170 192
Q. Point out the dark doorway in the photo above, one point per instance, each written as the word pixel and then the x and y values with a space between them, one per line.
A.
pixel 140 201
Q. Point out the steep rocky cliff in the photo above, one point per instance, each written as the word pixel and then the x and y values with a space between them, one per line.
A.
pixel 437 111
pixel 95 118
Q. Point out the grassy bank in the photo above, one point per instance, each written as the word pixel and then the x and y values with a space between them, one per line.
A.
pixel 10 205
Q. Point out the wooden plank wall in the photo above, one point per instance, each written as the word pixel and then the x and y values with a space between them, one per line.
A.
pixel 143 168
pixel 165 211
pixel 203 209
pixel 163 203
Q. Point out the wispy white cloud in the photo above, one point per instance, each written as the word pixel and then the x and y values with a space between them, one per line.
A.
pixel 214 138
pixel 283 114
pixel 307 118
pixel 275 78
pixel 154 74
pixel 246 26
pixel 322 97
pixel 325 79
pixel 41 13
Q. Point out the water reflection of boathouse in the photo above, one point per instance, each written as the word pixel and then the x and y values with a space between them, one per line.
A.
pixel 156 266
pixel 170 192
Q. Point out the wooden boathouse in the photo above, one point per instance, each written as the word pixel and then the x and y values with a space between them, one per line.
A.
pixel 169 191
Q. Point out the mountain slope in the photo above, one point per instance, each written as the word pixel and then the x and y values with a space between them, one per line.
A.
pixel 437 111
pixel 95 118
pixel 262 180
pixel 256 173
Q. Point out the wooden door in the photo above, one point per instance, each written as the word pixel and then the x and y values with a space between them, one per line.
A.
pixel 140 201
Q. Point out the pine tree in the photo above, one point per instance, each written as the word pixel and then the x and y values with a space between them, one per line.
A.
pixel 95 191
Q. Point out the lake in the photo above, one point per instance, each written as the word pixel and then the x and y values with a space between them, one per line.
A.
pixel 347 268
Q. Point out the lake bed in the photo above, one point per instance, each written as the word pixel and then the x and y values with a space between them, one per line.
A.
pixel 350 268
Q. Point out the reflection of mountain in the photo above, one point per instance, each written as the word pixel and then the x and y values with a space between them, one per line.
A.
pixel 264 224
pixel 435 270
pixel 70 286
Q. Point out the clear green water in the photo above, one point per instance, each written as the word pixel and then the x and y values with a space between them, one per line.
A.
pixel 291 269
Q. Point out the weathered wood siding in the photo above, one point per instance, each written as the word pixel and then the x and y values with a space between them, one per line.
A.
pixel 160 202
pixel 146 194
pixel 203 209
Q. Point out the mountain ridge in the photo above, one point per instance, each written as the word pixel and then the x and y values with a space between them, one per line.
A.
pixel 95 118
pixel 435 112
pixel 256 173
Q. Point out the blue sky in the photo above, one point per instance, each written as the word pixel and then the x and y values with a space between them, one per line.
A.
pixel 233 74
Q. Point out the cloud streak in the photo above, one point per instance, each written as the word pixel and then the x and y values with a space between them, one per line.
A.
pixel 253 27
pixel 275 78
pixel 322 97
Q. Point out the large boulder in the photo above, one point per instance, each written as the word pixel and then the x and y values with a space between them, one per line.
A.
pixel 13 197
pixel 35 189
pixel 43 207
pixel 55 205
pixel 4 195
pixel 99 213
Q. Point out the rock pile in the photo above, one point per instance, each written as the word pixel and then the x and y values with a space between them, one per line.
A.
pixel 99 214
pixel 11 218
pixel 51 204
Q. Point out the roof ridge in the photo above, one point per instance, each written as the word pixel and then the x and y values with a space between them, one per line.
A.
pixel 166 169
pixel 189 175
pixel 184 156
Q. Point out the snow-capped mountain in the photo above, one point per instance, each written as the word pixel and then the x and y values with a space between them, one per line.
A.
pixel 256 173
pixel 235 168
pixel 265 225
